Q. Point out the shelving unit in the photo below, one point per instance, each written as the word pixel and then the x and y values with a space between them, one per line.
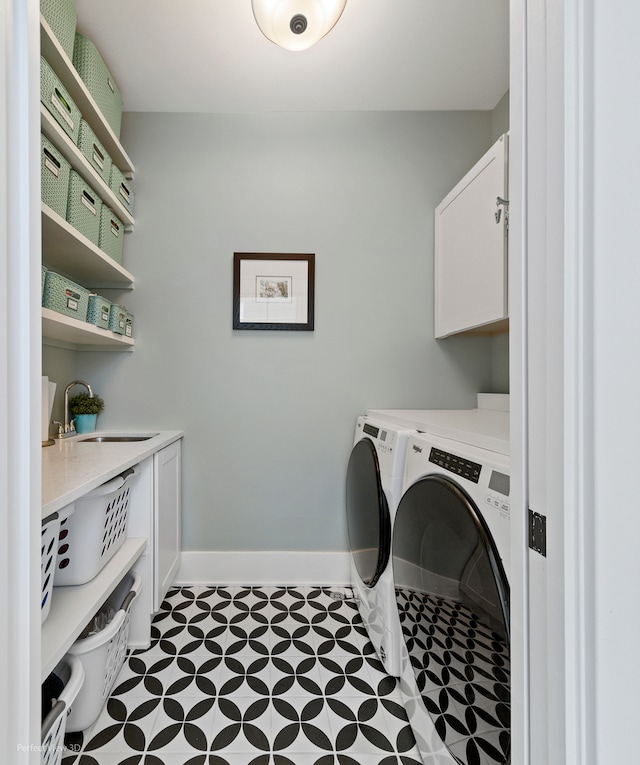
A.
pixel 64 249
pixel 73 255
pixel 65 332
pixel 62 66
pixel 79 163
pixel 73 607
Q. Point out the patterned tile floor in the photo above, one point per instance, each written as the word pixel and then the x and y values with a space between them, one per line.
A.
pixel 252 676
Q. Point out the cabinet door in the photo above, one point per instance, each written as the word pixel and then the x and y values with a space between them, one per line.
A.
pixel 471 248
pixel 167 518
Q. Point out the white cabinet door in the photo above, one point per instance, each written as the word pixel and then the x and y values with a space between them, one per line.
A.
pixel 471 249
pixel 167 513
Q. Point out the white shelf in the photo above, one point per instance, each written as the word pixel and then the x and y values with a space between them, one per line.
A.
pixel 73 607
pixel 66 250
pixel 81 165
pixel 63 67
pixel 80 335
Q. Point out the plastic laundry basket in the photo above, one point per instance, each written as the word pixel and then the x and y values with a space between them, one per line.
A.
pixel 50 540
pixel 59 692
pixel 102 652
pixel 95 532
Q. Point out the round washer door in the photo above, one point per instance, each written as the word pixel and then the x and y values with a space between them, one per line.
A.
pixel 453 602
pixel 368 520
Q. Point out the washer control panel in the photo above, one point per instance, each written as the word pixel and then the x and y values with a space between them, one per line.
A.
pixel 456 465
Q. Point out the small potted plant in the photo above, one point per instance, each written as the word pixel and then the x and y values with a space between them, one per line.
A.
pixel 85 410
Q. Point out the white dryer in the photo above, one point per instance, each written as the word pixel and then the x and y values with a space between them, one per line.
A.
pixel 451 562
pixel 375 477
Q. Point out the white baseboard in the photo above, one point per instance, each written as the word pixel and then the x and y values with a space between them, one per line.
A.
pixel 264 568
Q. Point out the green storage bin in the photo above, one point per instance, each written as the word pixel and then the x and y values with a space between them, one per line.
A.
pixel 64 296
pixel 122 188
pixel 83 208
pixel 58 101
pixel 96 76
pixel 94 151
pixel 54 174
pixel 44 276
pixel 98 311
pixel 111 238
pixel 117 319
pixel 61 16
pixel 128 323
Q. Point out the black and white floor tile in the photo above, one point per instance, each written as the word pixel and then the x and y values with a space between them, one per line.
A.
pixel 252 676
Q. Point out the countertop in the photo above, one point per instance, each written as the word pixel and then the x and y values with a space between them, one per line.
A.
pixel 71 467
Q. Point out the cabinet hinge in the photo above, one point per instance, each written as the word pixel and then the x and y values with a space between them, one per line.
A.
pixel 538 532
pixel 500 203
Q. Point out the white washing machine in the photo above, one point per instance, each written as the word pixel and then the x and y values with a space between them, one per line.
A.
pixel 375 477
pixel 451 563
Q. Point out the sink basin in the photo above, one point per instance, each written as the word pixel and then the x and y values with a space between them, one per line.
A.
pixel 114 439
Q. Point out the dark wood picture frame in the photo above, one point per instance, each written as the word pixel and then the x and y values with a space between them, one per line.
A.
pixel 273 290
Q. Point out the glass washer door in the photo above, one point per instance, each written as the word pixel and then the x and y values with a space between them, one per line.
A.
pixel 453 602
pixel 368 520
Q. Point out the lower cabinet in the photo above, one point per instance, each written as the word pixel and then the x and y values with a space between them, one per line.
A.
pixel 158 517
pixel 167 518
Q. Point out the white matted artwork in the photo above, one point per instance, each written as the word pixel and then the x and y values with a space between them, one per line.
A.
pixel 273 291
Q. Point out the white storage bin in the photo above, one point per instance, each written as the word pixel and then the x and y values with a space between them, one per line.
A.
pixel 102 653
pixel 94 533
pixel 58 695
pixel 49 542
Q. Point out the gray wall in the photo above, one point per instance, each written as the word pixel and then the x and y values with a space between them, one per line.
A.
pixel 269 416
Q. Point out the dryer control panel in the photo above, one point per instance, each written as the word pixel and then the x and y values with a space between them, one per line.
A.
pixel 498 493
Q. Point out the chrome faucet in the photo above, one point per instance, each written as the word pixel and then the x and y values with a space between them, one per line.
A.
pixel 69 428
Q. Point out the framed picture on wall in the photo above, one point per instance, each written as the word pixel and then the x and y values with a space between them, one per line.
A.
pixel 273 291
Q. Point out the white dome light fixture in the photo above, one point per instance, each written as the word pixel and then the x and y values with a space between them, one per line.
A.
pixel 296 24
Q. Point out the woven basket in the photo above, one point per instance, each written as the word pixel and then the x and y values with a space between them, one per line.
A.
pixel 44 276
pixel 96 76
pixel 122 188
pixel 117 319
pixel 54 174
pixel 58 101
pixel 83 208
pixel 98 312
pixel 61 16
pixel 66 297
pixel 111 239
pixel 94 151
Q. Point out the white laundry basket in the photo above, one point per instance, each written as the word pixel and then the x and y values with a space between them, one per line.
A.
pixel 96 530
pixel 103 652
pixel 49 542
pixel 56 706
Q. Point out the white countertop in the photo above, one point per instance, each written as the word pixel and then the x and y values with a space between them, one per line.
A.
pixel 71 467
pixel 483 428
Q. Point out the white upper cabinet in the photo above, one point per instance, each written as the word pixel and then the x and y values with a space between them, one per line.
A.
pixel 471 231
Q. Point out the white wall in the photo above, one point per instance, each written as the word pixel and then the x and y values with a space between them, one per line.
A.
pixel 269 416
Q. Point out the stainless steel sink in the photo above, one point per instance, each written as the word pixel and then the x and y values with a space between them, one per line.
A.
pixel 114 439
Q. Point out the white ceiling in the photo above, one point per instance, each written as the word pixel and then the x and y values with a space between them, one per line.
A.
pixel 210 56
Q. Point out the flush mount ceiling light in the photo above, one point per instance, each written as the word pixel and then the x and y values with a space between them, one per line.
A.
pixel 296 24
